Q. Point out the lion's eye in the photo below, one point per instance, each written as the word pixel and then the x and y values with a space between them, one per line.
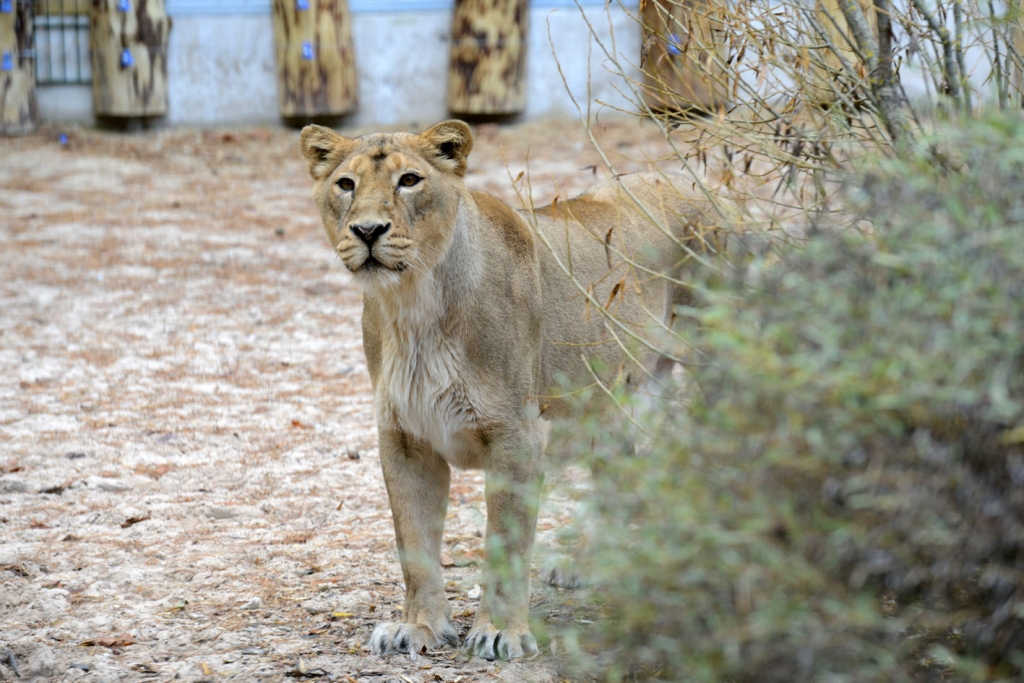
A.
pixel 409 179
pixel 346 184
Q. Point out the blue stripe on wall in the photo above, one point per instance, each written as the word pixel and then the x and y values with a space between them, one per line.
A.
pixel 222 7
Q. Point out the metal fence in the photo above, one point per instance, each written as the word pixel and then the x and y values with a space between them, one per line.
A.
pixel 62 42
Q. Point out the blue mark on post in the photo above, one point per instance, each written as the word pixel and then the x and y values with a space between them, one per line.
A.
pixel 8 62
pixel 126 58
pixel 124 6
pixel 301 5
pixel 307 50
pixel 673 45
pixel 6 6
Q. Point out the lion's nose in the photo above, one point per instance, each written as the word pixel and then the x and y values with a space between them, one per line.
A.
pixel 369 233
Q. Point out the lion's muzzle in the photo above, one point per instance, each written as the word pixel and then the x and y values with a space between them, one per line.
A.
pixel 368 233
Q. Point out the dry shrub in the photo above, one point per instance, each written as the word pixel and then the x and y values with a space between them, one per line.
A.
pixel 835 491
pixel 842 499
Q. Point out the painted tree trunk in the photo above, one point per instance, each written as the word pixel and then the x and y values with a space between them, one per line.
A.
pixel 831 80
pixel 487 67
pixel 128 39
pixel 683 53
pixel 18 112
pixel 316 66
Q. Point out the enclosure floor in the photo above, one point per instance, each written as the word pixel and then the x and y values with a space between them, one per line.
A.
pixel 189 481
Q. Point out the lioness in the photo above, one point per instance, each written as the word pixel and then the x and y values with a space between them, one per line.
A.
pixel 469 320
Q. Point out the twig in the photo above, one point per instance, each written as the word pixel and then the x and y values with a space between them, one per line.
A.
pixel 948 66
pixel 14 663
pixel 958 45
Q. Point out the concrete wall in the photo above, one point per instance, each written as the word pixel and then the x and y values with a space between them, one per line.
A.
pixel 221 67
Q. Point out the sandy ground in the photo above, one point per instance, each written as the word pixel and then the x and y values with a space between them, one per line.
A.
pixel 189 481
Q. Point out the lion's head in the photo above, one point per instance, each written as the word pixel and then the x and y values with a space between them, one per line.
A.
pixel 388 201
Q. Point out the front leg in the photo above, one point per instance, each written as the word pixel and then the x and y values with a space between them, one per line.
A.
pixel 502 629
pixel 417 480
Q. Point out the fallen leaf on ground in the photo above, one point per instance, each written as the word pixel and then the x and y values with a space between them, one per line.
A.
pixel 467 558
pixel 132 521
pixel 153 471
pixel 122 640
pixel 14 569
pixel 58 488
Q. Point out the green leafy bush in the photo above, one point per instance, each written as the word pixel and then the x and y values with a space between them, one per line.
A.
pixel 843 498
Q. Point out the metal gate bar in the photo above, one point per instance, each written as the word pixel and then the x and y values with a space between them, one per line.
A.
pixel 62 42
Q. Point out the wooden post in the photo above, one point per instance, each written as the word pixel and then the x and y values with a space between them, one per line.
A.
pixel 316 65
pixel 487 67
pixel 828 81
pixel 128 39
pixel 683 53
pixel 18 111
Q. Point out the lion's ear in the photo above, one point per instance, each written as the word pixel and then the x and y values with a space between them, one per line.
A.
pixel 451 142
pixel 324 149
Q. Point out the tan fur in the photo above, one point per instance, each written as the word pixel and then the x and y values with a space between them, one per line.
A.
pixel 469 322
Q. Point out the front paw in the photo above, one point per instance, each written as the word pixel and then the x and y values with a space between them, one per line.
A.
pixel 490 643
pixel 393 638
